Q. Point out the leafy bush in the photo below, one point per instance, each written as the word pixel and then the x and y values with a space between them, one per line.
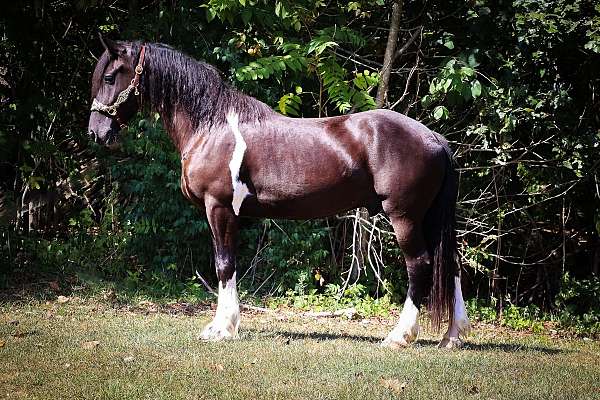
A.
pixel 578 304
pixel 354 296
pixel 167 238
pixel 515 317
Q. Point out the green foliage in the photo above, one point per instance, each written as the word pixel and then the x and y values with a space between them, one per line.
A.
pixel 294 251
pixel 519 318
pixel 353 297
pixel 579 304
pixel 577 310
pixel 165 234
pixel 265 67
pixel 512 91
pixel 80 251
pixel 455 84
pixel 290 103
pixel 345 91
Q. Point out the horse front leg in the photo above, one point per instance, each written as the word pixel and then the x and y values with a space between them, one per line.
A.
pixel 224 227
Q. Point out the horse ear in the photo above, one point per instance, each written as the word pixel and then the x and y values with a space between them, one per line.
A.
pixel 114 48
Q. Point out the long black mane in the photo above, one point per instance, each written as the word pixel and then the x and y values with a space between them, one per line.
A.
pixel 173 81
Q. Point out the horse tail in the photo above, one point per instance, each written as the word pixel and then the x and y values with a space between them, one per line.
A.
pixel 440 231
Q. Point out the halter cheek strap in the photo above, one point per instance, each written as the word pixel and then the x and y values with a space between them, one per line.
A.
pixel 113 109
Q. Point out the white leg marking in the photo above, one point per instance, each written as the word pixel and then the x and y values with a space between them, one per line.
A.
pixel 240 190
pixel 407 328
pixel 227 319
pixel 460 323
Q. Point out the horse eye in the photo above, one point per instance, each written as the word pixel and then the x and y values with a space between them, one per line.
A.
pixel 110 79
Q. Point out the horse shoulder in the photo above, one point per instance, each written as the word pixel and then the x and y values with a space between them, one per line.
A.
pixel 203 166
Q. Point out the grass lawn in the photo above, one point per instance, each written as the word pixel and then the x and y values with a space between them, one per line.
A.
pixel 88 349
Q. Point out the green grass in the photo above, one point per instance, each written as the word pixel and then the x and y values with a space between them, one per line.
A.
pixel 155 355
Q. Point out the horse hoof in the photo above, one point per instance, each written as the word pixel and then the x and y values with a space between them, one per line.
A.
pixel 450 343
pixel 215 334
pixel 395 344
pixel 400 342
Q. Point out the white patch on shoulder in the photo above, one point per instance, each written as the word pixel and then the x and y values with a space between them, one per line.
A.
pixel 226 323
pixel 407 328
pixel 460 325
pixel 240 190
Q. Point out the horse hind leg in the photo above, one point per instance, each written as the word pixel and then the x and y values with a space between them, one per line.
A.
pixel 418 263
pixel 459 326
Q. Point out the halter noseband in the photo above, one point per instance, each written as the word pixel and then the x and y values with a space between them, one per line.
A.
pixel 113 109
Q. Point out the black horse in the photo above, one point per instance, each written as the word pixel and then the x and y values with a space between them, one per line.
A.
pixel 240 158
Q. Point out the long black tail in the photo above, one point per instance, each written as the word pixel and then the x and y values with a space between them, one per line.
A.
pixel 440 228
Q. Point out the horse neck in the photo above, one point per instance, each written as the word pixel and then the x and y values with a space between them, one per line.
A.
pixel 176 121
pixel 179 127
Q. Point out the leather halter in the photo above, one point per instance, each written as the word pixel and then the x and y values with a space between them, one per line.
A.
pixel 113 109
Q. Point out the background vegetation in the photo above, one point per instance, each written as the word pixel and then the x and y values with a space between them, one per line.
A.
pixel 512 84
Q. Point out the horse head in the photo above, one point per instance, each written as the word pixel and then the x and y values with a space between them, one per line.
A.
pixel 115 89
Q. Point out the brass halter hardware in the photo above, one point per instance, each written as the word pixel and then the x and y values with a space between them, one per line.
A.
pixel 113 108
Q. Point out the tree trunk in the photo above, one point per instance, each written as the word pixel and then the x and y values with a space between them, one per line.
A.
pixel 388 59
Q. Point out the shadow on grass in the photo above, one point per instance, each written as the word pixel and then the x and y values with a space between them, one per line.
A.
pixel 504 347
pixel 487 346
pixel 23 285
pixel 318 336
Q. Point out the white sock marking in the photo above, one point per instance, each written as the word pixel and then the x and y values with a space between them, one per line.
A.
pixel 460 311
pixel 460 323
pixel 228 305
pixel 408 316
pixel 227 318
pixel 240 190
pixel 407 328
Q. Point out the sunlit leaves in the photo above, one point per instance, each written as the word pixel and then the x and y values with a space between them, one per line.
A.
pixel 447 40
pixel 455 84
pixel 475 89
pixel 287 59
pixel 366 80
pixel 440 112
pixel 318 46
pixel 345 93
pixel 210 14
pixel 264 67
pixel 290 103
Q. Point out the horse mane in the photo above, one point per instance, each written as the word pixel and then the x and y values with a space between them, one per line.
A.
pixel 173 81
